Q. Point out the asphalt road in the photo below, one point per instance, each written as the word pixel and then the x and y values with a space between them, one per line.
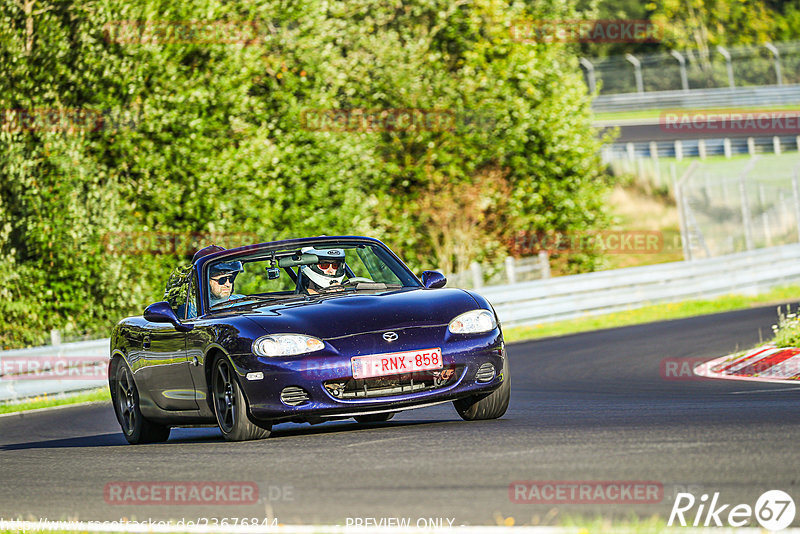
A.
pixel 585 407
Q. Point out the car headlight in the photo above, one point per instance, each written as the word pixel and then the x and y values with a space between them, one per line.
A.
pixel 286 345
pixel 473 322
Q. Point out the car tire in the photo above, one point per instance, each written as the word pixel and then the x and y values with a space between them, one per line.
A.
pixel 135 427
pixel 374 417
pixel 488 406
pixel 230 407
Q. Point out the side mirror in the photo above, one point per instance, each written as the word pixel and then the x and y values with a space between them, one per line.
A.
pixel 433 279
pixel 161 312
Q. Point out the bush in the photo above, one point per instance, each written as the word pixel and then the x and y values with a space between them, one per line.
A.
pixel 211 139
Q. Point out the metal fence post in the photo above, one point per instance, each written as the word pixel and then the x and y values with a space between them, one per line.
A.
pixel 682 61
pixel 680 200
pixel 637 71
pixel 728 63
pixel 510 272
pixel 777 56
pixel 590 77
pixel 748 231
pixel 654 159
pixel 477 275
pixel 544 262
pixel 796 195
pixel 678 149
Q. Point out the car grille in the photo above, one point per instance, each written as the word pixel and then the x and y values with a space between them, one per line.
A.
pixel 485 372
pixel 294 396
pixel 394 385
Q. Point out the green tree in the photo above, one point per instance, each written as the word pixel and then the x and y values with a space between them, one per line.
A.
pixel 211 136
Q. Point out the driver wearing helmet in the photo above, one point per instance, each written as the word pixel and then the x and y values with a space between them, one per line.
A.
pixel 221 279
pixel 327 274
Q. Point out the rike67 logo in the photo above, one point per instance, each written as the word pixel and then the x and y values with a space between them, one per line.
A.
pixel 774 510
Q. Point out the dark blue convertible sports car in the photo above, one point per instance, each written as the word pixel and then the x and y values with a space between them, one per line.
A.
pixel 303 330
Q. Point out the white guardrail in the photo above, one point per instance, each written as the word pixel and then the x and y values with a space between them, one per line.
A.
pixel 768 96
pixel 54 369
pixel 524 303
pixel 579 295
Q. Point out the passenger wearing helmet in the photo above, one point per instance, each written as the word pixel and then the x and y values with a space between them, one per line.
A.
pixel 221 279
pixel 327 273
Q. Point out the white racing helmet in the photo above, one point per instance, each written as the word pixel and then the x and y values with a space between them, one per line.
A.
pixel 317 275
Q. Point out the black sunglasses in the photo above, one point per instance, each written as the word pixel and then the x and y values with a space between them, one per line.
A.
pixel 222 280
pixel 328 264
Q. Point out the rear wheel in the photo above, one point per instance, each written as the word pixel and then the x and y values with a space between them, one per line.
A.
pixel 374 417
pixel 230 406
pixel 135 427
pixel 488 406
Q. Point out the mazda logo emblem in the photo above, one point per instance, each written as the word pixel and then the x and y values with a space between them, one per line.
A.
pixel 390 336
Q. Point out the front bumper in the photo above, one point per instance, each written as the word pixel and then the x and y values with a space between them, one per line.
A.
pixel 310 373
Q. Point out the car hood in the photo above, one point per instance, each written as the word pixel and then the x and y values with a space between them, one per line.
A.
pixel 340 315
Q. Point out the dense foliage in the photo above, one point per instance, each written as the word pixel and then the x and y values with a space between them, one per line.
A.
pixel 697 24
pixel 210 137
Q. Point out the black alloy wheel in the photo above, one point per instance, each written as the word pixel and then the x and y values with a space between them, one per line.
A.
pixel 135 427
pixel 230 406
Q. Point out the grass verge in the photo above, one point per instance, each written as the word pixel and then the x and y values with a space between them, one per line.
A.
pixel 45 401
pixel 648 314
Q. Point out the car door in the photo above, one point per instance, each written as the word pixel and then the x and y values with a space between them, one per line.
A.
pixel 197 340
pixel 165 364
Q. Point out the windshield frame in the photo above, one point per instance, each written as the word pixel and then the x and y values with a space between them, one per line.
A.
pixel 264 251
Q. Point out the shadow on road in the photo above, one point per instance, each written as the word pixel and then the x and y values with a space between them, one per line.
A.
pixel 100 440
pixel 213 435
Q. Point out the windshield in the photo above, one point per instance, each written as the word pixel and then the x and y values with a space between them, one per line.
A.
pixel 307 272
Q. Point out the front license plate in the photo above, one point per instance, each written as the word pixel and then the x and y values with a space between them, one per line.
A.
pixel 396 363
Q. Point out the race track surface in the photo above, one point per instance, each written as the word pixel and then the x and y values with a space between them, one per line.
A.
pixel 585 407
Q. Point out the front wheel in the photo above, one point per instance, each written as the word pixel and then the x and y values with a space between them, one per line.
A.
pixel 487 406
pixel 230 407
pixel 135 427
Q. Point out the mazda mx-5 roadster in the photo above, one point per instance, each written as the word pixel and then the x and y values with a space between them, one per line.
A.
pixel 303 330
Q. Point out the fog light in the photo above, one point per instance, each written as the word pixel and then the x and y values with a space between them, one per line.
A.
pixel 485 373
pixel 294 396
pixel 255 376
